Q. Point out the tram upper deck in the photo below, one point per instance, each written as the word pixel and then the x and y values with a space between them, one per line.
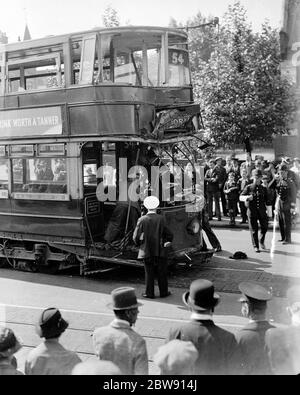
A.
pixel 121 79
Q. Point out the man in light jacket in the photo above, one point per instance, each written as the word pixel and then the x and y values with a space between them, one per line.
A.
pixel 118 342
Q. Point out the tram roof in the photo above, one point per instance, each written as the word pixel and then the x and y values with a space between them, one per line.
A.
pixel 57 39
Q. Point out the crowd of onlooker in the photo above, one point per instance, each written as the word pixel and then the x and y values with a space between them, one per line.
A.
pixel 196 347
pixel 225 180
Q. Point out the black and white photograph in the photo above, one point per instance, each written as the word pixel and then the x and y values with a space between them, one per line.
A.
pixel 149 190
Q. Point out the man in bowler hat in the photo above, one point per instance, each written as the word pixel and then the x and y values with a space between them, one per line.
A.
pixel 118 342
pixel 283 344
pixel 216 346
pixel 251 339
pixel 50 357
pixel 153 236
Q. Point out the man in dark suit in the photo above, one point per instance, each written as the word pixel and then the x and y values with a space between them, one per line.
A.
pixel 216 347
pixel 251 339
pixel 284 343
pixel 256 200
pixel 222 179
pixel 285 203
pixel 212 190
pixel 153 237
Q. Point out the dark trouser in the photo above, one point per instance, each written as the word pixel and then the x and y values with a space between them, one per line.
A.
pixel 285 225
pixel 156 266
pixel 213 196
pixel 243 210
pixel 224 203
pixel 209 232
pixel 232 210
pixel 253 226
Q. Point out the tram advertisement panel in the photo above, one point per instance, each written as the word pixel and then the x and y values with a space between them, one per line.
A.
pixel 31 122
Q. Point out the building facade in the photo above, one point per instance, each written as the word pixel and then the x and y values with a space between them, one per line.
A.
pixel 290 52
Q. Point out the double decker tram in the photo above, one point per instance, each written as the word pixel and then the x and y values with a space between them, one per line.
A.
pixel 77 112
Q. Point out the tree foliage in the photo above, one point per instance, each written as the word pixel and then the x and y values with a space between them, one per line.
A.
pixel 238 82
pixel 110 17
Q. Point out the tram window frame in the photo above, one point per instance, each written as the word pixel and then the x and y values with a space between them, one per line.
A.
pixel 39 194
pixel 4 192
pixel 15 153
pixel 17 69
pixel 57 152
pixel 87 60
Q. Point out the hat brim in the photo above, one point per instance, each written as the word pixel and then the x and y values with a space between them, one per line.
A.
pixel 151 206
pixel 112 307
pixel 186 300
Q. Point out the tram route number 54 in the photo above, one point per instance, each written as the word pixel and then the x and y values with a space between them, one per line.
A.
pixel 178 58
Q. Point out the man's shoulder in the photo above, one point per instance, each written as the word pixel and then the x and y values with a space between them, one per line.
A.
pixel 276 336
pixel 195 326
pixel 37 352
pixel 100 331
pixel 252 329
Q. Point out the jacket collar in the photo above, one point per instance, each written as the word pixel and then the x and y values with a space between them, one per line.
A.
pixel 201 317
pixel 120 324
pixel 255 325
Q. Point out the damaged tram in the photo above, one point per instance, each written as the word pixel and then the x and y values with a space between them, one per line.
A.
pixel 77 112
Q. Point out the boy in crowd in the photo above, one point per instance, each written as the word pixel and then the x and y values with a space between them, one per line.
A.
pixel 243 182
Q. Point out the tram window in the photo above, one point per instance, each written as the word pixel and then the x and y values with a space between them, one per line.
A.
pixel 179 73
pixel 90 175
pixel 35 73
pixel 43 78
pixel 129 68
pixel 44 175
pixel 3 176
pixel 87 63
pixel 155 69
pixel 109 164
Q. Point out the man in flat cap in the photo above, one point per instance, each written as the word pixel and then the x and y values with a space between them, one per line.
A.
pixel 284 343
pixel 285 203
pixel 256 200
pixel 152 236
pixel 50 357
pixel 118 342
pixel 251 339
pixel 176 358
pixel 216 347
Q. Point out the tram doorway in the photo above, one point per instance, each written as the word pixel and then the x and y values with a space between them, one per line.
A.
pixel 93 209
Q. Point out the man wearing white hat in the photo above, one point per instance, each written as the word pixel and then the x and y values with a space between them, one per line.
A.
pixel 152 236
